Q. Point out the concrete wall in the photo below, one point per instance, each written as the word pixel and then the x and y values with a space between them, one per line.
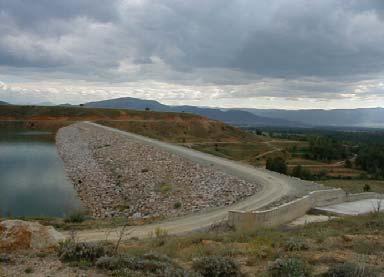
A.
pixel 269 218
pixel 288 212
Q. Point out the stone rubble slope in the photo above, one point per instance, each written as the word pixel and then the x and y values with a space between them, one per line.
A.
pixel 117 176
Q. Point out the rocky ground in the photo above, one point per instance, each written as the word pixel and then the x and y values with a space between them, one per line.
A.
pixel 40 263
pixel 115 176
pixel 29 249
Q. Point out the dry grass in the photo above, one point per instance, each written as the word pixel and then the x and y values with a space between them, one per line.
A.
pixel 326 244
pixel 356 186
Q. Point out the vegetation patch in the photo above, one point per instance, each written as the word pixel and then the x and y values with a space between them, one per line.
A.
pixel 289 267
pixel 165 188
pixel 296 244
pixel 148 264
pixel 351 269
pixel 216 266
pixel 80 252
pixel 75 217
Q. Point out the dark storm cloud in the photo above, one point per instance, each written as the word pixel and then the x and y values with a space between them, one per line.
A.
pixel 339 42
pixel 31 13
pixel 269 38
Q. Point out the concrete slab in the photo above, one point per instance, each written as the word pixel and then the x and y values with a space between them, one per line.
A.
pixel 310 218
pixel 353 208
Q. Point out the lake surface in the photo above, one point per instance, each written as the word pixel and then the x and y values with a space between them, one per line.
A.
pixel 32 177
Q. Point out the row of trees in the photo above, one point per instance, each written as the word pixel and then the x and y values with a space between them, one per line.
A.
pixel 334 145
pixel 278 164
pixel 371 159
pixel 326 149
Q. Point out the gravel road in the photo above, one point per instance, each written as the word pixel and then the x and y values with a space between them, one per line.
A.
pixel 274 187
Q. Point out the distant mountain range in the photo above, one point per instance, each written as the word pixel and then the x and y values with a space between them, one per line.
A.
pixel 234 117
pixel 365 117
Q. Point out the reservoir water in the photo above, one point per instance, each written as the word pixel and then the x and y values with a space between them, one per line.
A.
pixel 32 177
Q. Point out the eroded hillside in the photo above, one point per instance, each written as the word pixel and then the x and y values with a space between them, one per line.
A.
pixel 174 127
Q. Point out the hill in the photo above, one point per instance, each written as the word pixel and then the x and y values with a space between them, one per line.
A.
pixel 4 103
pixel 175 127
pixel 233 117
pixel 365 117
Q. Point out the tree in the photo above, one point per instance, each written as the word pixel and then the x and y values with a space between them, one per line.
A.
pixel 301 172
pixel 371 159
pixel 326 149
pixel 367 187
pixel 348 163
pixel 277 164
pixel 259 132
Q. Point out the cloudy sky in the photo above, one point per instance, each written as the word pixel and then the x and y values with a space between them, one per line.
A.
pixel 229 53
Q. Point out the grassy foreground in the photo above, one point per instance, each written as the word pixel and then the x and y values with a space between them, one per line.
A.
pixel 351 246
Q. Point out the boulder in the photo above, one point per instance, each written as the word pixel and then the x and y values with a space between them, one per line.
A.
pixel 22 235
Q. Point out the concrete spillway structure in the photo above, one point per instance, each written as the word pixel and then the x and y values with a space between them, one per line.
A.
pixel 333 201
pixel 360 207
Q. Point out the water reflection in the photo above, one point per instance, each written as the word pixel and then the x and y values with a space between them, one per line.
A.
pixel 32 179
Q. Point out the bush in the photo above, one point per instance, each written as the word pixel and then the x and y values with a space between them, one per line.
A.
pixel 150 263
pixel 165 188
pixel 367 247
pixel 116 262
pixel 159 236
pixel 295 244
pixel 351 269
pixel 366 188
pixel 291 267
pixel 177 205
pixel 277 164
pixel 301 172
pixel 28 270
pixel 4 258
pixel 75 217
pixel 216 266
pixel 70 251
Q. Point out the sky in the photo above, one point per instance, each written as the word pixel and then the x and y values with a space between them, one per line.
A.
pixel 289 54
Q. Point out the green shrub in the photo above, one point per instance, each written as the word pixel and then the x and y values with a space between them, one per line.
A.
pixel 151 263
pixel 28 270
pixel 165 188
pixel 295 244
pixel 367 247
pixel 177 205
pixel 291 267
pixel 159 236
pixel 70 251
pixel 351 269
pixel 216 266
pixel 277 164
pixel 302 172
pixel 75 217
pixel 4 258
pixel 116 262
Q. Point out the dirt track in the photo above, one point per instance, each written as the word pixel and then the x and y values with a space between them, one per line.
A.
pixel 274 187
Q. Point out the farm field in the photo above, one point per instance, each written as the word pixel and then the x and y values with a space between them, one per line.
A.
pixel 257 153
